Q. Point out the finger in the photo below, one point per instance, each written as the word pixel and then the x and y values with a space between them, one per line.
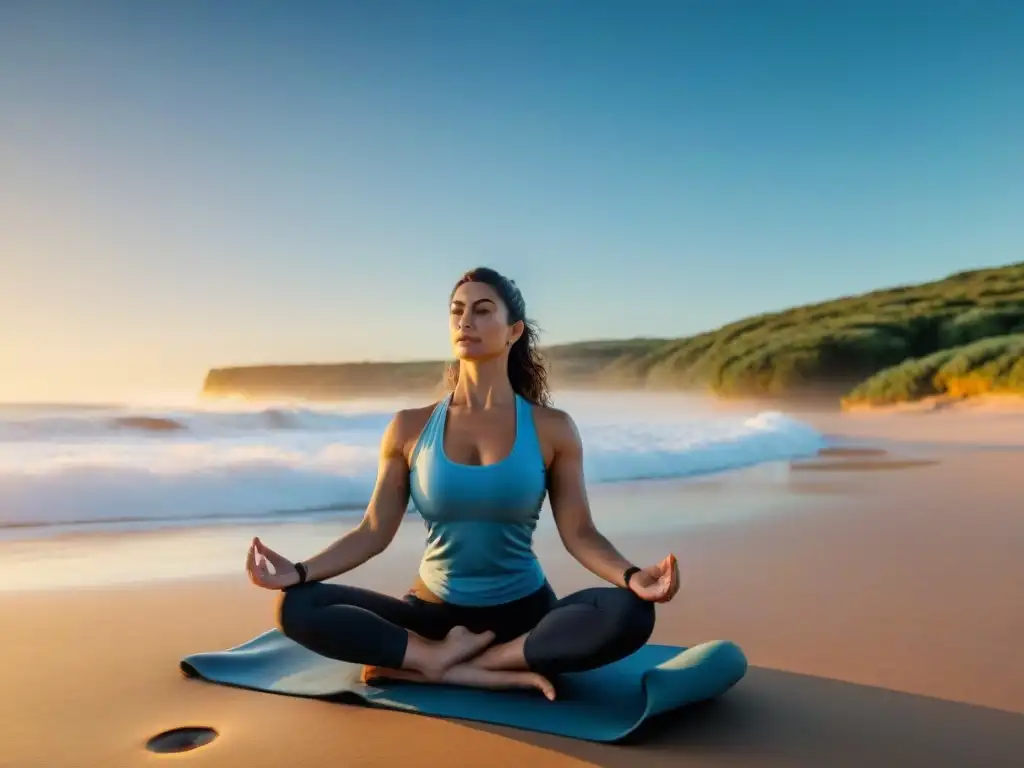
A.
pixel 660 588
pixel 261 548
pixel 256 576
pixel 266 555
pixel 250 558
pixel 261 562
pixel 671 580
pixel 669 588
pixel 275 559
pixel 268 579
pixel 666 564
pixel 655 590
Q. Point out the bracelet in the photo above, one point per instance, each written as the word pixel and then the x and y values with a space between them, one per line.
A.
pixel 629 574
pixel 301 570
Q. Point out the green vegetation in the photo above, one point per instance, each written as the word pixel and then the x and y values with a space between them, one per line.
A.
pixel 902 343
pixel 988 366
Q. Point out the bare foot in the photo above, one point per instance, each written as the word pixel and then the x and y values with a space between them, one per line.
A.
pixel 476 677
pixel 459 645
pixel 467 674
pixel 371 673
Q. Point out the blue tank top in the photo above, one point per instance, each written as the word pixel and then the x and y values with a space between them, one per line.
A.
pixel 480 519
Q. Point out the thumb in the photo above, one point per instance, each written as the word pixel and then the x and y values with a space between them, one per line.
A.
pixel 276 560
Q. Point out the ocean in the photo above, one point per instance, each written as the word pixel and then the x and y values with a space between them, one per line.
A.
pixel 74 467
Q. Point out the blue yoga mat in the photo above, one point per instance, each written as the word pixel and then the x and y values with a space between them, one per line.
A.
pixel 606 704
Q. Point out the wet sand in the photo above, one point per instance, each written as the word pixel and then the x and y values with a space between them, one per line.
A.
pixel 880 611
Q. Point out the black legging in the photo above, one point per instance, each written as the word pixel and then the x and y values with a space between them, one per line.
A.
pixel 584 630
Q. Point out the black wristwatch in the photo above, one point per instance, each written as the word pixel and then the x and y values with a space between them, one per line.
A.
pixel 301 570
pixel 628 574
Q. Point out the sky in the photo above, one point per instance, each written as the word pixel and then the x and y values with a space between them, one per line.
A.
pixel 194 184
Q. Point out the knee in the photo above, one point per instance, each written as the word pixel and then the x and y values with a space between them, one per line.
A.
pixel 635 616
pixel 293 607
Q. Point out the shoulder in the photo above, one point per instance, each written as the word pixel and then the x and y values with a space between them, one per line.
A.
pixel 404 429
pixel 556 428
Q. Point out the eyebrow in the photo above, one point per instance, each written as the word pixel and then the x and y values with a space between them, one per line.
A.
pixel 460 303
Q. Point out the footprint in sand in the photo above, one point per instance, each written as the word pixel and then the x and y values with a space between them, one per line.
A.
pixel 181 739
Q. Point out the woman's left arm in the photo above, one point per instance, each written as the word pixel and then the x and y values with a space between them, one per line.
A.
pixel 568 494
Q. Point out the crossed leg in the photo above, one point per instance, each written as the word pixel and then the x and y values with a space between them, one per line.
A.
pixel 584 630
pixel 365 627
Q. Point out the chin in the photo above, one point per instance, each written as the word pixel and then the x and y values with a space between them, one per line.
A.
pixel 473 353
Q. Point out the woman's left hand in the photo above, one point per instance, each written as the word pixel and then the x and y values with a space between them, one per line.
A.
pixel 657 583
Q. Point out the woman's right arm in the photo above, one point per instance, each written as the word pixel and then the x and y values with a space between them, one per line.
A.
pixel 383 515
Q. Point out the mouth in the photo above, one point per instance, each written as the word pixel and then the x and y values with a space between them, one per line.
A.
pixel 466 340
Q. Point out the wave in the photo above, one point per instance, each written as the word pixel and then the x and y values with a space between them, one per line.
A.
pixel 146 466
pixel 71 422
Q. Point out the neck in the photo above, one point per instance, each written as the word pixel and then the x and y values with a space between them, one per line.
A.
pixel 483 384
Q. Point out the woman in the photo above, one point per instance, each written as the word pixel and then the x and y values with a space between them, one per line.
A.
pixel 477 465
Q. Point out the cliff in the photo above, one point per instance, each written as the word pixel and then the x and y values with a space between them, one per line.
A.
pixel 592 364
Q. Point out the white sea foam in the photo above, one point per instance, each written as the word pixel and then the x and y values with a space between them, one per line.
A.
pixel 87 464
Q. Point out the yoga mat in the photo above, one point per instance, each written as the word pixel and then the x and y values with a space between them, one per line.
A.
pixel 605 704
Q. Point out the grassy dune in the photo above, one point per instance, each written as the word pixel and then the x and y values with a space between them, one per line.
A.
pixel 959 335
pixel 987 367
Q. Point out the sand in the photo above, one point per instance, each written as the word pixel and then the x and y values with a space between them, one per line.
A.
pixel 878 598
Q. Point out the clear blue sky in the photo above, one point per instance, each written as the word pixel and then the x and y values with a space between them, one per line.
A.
pixel 191 184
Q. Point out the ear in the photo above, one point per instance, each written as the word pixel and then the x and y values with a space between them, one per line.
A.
pixel 518 328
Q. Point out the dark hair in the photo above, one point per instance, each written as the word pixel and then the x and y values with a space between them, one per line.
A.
pixel 526 370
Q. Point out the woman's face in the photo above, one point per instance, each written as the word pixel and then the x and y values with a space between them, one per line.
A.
pixel 478 322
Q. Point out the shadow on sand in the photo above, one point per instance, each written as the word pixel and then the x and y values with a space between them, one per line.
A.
pixel 777 718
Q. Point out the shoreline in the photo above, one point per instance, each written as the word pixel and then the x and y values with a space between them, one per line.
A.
pixel 118 557
pixel 855 444
pixel 228 469
pixel 914 435
pixel 104 529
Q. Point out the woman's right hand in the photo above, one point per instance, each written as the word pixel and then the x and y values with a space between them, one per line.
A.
pixel 260 573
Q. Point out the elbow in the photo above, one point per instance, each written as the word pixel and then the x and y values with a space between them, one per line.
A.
pixel 375 540
pixel 578 539
pixel 377 546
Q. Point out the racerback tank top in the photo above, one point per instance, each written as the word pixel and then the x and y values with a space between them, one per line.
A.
pixel 480 520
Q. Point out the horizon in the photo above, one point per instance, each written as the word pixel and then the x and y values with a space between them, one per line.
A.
pixel 190 397
pixel 697 332
pixel 188 192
